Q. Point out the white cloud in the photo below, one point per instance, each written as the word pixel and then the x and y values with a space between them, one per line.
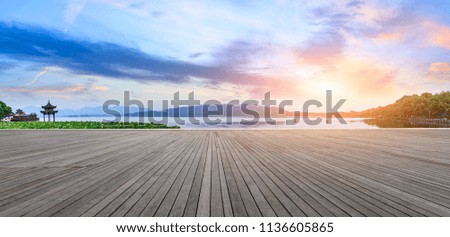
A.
pixel 45 70
pixel 42 72
pixel 73 9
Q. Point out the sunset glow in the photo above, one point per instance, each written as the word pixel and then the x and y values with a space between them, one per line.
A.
pixel 83 52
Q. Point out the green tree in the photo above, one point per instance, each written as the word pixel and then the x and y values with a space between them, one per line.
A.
pixel 4 110
pixel 426 105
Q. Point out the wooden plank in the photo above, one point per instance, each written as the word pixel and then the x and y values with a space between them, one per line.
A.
pixel 54 189
pixel 355 170
pixel 155 183
pixel 227 208
pixel 298 192
pixel 236 201
pixel 217 204
pixel 204 201
pixel 386 172
pixel 249 202
pixel 169 198
pixel 259 199
pixel 180 203
pixel 123 200
pixel 194 194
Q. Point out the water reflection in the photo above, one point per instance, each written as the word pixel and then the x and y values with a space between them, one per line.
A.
pixel 280 123
pixel 385 123
pixel 396 123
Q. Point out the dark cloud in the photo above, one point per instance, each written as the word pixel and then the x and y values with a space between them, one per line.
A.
pixel 231 64
pixel 355 4
pixel 240 53
pixel 157 13
pixel 136 5
pixel 330 17
pixel 195 55
pixel 7 65
pixel 328 43
pixel 100 58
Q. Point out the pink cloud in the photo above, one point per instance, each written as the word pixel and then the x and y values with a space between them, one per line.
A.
pixel 55 90
pixel 439 35
pixel 440 67
pixel 393 36
pixel 134 6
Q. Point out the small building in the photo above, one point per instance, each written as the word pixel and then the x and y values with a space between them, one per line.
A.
pixel 49 109
pixel 21 116
pixel 7 119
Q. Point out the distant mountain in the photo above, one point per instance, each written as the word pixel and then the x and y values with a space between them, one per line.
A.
pixel 426 105
pixel 219 110
pixel 197 111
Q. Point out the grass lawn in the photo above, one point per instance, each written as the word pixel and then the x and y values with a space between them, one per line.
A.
pixel 82 125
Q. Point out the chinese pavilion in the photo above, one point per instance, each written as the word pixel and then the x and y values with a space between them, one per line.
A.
pixel 49 109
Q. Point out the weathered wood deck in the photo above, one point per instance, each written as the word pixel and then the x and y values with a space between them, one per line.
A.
pixel 225 173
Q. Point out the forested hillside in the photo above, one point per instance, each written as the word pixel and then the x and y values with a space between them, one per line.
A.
pixel 424 105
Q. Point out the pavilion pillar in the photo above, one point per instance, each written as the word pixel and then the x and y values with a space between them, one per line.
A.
pixel 48 110
pixel 44 117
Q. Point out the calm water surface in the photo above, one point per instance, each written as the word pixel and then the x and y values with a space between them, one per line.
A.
pixel 351 123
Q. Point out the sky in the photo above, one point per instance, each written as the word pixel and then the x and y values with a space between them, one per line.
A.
pixel 80 53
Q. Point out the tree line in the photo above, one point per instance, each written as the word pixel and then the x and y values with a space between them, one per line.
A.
pixel 426 105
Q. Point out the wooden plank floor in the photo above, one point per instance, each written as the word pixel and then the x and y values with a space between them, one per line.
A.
pixel 398 172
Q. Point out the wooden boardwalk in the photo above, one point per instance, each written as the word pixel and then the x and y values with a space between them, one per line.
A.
pixel 398 172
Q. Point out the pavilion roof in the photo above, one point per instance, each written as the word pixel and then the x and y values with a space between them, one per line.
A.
pixel 48 106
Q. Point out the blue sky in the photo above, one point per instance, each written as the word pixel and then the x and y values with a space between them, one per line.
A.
pixel 82 52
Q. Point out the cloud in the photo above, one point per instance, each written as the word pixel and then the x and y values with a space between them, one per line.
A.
pixel 73 9
pixel 138 7
pixel 241 54
pixel 366 77
pixel 426 33
pixel 352 4
pixel 409 26
pixel 64 90
pixel 322 49
pixel 438 34
pixel 332 64
pixel 50 90
pixel 195 55
pixel 99 58
pixel 45 70
pixel 41 46
pixel 7 65
pixel 393 36
pixel 440 67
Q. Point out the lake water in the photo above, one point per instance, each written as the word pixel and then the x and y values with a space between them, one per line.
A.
pixel 235 122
